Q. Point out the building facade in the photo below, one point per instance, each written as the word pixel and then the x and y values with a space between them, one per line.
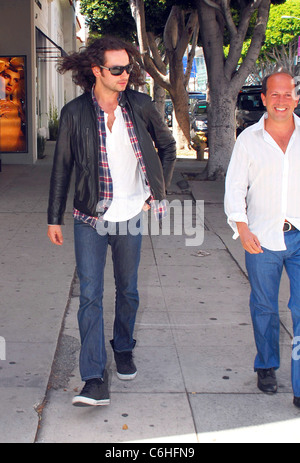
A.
pixel 34 34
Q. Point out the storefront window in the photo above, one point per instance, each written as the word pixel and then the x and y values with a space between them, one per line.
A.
pixel 13 123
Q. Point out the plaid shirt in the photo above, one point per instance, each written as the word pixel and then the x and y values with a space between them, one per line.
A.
pixel 105 179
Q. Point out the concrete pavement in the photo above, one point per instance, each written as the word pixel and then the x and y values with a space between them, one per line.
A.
pixel 34 290
pixel 195 346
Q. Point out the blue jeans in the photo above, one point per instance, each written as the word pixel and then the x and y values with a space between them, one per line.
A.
pixel 90 251
pixel 265 272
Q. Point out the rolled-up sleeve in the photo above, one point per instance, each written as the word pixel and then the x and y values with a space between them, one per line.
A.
pixel 236 187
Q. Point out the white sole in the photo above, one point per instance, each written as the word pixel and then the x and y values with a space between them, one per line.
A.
pixel 126 377
pixel 79 401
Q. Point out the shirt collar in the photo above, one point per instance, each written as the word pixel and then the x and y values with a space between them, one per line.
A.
pixel 297 120
pixel 261 123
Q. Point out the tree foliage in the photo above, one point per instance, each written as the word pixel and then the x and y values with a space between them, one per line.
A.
pixel 108 17
pixel 163 30
pixel 280 32
pixel 232 22
pixel 240 24
pixel 113 17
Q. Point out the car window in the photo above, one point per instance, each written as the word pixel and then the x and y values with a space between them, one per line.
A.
pixel 200 109
pixel 250 102
pixel 196 96
pixel 168 107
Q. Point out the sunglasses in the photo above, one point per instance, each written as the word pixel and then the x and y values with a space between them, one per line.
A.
pixel 118 70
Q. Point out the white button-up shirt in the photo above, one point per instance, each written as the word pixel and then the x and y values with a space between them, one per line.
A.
pixel 130 190
pixel 263 185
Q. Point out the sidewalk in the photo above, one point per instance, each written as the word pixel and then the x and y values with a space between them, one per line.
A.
pixel 34 289
pixel 195 345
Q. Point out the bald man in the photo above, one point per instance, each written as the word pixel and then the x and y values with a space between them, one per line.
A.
pixel 263 208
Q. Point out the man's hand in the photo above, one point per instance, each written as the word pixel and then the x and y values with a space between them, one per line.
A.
pixel 146 207
pixel 249 241
pixel 55 234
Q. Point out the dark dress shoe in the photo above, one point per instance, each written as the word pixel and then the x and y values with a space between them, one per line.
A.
pixel 267 381
pixel 297 402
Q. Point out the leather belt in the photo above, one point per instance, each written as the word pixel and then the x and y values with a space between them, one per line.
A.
pixel 288 227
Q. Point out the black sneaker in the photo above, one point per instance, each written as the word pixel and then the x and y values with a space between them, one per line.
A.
pixel 94 393
pixel 267 381
pixel 126 369
pixel 297 402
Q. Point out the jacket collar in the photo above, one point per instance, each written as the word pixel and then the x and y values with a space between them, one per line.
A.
pixel 122 99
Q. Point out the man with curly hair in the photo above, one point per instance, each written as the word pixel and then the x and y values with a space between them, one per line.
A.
pixel 124 158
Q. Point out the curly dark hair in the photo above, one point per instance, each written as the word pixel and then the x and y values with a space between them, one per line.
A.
pixel 81 63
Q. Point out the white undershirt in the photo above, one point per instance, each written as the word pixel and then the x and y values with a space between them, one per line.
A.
pixel 129 187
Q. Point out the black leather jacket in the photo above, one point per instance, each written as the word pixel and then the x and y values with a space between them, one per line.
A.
pixel 78 144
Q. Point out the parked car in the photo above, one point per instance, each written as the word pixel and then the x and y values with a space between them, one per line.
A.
pixel 199 128
pixel 249 108
pixel 199 116
pixel 193 96
pixel 169 113
pixel 196 96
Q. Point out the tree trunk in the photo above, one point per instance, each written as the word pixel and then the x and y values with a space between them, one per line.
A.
pixel 159 98
pixel 226 77
pixel 181 140
pixel 222 134
pixel 177 36
pixel 181 123
pixel 180 28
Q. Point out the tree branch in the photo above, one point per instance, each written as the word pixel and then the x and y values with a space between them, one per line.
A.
pixel 212 39
pixel 256 43
pixel 237 40
pixel 214 5
pixel 159 77
pixel 157 57
pixel 188 32
pixel 191 56
pixel 228 17
pixel 171 32
pixel 138 12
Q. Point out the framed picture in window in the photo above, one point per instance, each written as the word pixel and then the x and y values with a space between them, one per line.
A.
pixel 13 105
